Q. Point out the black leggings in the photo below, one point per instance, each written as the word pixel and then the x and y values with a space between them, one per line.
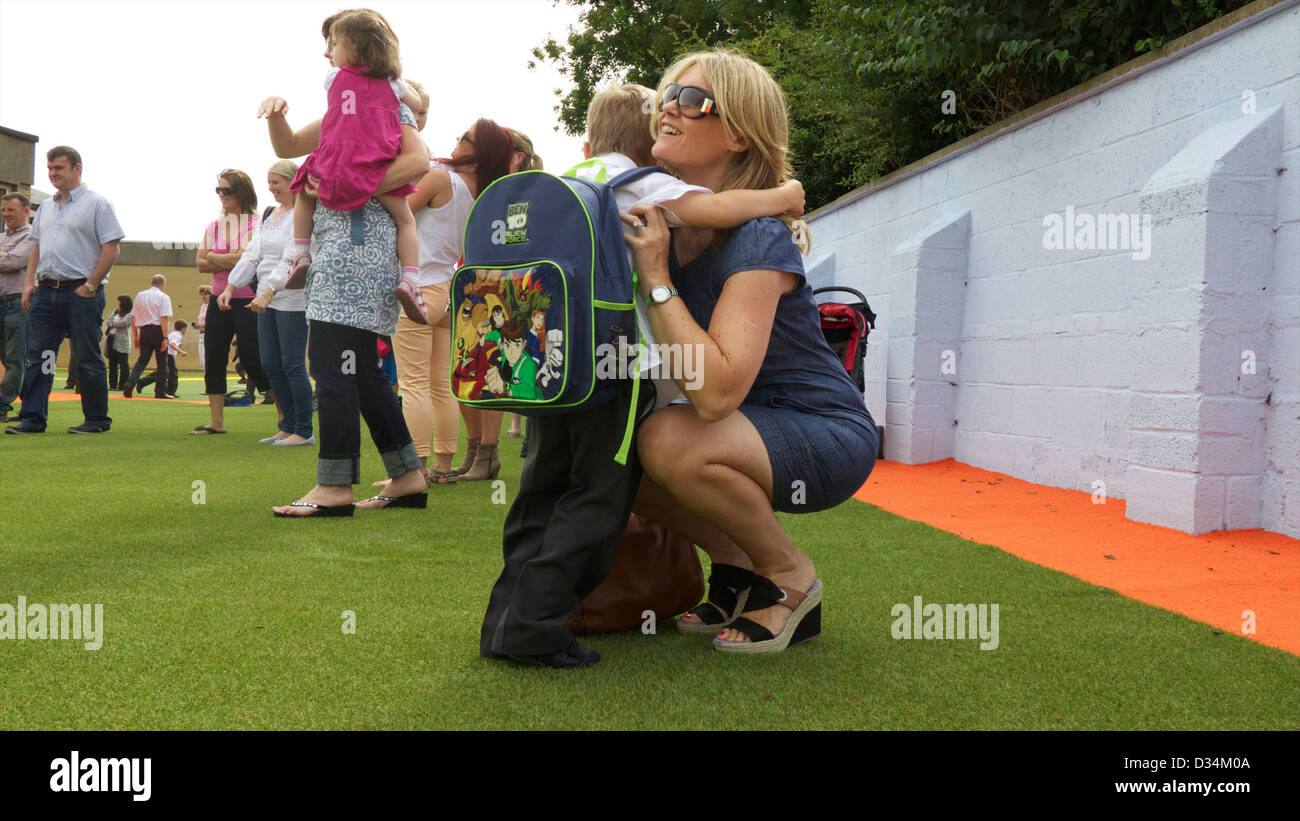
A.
pixel 241 324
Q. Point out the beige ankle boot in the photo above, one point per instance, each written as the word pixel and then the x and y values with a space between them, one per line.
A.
pixel 486 466
pixel 471 453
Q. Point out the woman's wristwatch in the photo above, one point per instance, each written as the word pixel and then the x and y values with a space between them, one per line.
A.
pixel 661 294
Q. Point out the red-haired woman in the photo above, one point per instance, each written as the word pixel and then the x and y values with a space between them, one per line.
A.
pixel 441 205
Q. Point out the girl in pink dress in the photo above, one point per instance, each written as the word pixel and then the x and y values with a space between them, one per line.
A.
pixel 360 137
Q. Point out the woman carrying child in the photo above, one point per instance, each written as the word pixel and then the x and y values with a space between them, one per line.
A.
pixel 351 301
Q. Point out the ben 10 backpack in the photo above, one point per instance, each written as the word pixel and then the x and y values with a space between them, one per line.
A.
pixel 543 311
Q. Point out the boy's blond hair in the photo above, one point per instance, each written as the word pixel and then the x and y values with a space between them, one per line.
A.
pixel 618 121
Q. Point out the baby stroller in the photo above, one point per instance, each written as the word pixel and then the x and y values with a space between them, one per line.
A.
pixel 846 326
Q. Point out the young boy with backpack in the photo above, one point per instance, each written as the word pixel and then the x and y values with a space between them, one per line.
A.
pixel 563 531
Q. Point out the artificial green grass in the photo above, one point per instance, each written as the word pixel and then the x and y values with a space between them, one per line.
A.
pixel 219 616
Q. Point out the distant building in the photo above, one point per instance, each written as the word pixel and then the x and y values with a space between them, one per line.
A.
pixel 17 162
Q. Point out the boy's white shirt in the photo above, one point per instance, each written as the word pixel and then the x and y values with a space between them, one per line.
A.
pixel 174 342
pixel 652 189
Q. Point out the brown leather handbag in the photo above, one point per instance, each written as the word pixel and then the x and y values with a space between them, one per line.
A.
pixel 655 569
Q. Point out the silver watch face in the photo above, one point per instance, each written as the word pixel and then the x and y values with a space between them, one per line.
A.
pixel 660 294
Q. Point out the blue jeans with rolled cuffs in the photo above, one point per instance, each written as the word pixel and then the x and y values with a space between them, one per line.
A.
pixel 56 313
pixel 349 384
pixel 282 344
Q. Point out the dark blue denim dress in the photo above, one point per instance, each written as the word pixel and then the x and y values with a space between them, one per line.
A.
pixel 820 439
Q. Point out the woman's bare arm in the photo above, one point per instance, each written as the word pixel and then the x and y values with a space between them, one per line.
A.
pixel 411 164
pixel 433 189
pixel 206 266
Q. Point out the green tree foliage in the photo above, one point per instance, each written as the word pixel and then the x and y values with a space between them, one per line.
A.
pixel 635 40
pixel 844 129
pixel 1001 58
pixel 867 82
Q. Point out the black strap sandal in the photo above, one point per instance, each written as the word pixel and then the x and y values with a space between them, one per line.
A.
pixel 728 591
pixel 805 620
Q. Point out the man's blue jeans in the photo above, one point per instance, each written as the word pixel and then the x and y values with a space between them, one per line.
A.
pixel 56 313
pixel 13 349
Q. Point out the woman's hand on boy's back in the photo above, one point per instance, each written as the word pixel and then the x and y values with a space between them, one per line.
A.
pixel 648 242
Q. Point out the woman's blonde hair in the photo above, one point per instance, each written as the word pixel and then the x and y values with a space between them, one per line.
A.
pixel 284 168
pixel 524 146
pixel 753 109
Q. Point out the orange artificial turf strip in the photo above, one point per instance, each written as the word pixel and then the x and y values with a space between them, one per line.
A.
pixel 1210 578
pixel 61 396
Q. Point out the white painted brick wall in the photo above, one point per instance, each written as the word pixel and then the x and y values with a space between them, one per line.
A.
pixel 1078 365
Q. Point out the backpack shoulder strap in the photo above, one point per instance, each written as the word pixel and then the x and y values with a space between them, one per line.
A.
pixel 632 175
pixel 592 170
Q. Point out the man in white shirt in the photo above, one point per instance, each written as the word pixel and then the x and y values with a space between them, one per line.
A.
pixel 148 318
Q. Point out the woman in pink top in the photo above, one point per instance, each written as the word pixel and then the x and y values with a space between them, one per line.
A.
pixel 223 244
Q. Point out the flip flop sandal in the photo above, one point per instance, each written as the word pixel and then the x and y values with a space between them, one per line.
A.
pixel 805 620
pixel 728 593
pixel 203 430
pixel 317 510
pixel 416 500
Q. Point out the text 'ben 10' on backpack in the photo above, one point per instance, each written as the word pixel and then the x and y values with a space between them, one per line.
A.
pixel 543 294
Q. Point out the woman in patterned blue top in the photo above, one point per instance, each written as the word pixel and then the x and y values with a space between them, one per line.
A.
pixel 774 421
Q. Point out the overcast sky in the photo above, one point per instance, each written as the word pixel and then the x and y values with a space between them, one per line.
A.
pixel 159 96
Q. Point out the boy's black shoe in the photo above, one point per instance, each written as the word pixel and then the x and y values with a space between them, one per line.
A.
pixel 575 655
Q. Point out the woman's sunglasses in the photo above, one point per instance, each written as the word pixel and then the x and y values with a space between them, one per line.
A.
pixel 693 102
pixel 225 192
pixel 464 138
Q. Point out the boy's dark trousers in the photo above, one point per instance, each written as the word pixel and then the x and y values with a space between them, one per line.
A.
pixel 563 531
pixel 173 380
